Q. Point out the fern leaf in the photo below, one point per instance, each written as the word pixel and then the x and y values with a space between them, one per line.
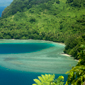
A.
pixel 37 81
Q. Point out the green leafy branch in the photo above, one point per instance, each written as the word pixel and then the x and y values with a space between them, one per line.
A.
pixel 76 76
pixel 48 79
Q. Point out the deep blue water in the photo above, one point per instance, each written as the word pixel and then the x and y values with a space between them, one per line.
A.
pixel 1 9
pixel 14 77
pixel 8 48
pixel 11 77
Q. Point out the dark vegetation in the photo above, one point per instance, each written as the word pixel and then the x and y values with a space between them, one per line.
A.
pixel 54 20
pixel 76 76
pixel 21 6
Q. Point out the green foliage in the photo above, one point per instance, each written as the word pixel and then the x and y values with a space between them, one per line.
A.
pixel 73 44
pixel 21 6
pixel 76 76
pixel 81 55
pixel 48 79
pixel 32 20
pixel 77 3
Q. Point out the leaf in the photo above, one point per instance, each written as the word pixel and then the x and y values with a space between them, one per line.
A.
pixel 43 77
pixel 48 79
pixel 37 81
pixel 40 78
pixel 34 84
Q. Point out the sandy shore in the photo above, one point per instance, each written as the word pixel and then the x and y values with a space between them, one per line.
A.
pixel 32 40
pixel 37 41
pixel 66 54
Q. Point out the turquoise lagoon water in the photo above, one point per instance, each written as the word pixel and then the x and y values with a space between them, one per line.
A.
pixel 21 61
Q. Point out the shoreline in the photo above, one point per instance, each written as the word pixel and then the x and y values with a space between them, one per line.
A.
pixel 46 41
pixel 68 56
pixel 37 40
pixel 65 54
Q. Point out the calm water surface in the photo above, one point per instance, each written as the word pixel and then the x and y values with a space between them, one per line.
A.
pixel 14 77
pixel 21 61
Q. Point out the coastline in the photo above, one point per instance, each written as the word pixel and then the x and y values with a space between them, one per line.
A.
pixel 69 56
pixel 66 54
pixel 47 60
pixel 44 41
pixel 37 41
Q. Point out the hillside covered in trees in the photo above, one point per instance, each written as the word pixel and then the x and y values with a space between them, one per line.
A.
pixel 53 20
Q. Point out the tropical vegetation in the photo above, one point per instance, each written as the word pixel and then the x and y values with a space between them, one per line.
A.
pixel 53 20
pixel 48 79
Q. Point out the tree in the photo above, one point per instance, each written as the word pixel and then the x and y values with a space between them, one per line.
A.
pixel 76 76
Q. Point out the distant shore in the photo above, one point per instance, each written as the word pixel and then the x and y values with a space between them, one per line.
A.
pixel 45 41
pixel 66 54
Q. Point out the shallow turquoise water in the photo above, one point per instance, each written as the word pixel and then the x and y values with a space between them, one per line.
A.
pixel 26 65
